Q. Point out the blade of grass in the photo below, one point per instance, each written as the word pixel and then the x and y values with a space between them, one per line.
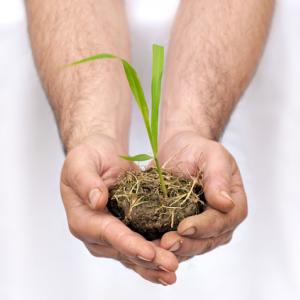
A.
pixel 134 83
pixel 139 96
pixel 138 93
pixel 138 157
pixel 157 70
pixel 91 58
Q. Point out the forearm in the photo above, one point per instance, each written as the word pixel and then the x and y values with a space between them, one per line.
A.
pixel 88 99
pixel 214 50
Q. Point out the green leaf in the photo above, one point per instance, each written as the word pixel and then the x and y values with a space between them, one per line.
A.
pixel 138 157
pixel 138 94
pixel 134 83
pixel 91 58
pixel 136 88
pixel 157 70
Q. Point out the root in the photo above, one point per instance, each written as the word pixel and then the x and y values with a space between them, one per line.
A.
pixel 139 197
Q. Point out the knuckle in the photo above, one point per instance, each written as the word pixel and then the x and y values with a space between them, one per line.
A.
pixel 122 258
pixel 104 233
pixel 74 227
pixel 244 213
pixel 93 252
pixel 219 224
pixel 78 178
pixel 127 264
pixel 234 163
pixel 220 148
pixel 230 156
pixel 210 245
pixel 184 258
pixel 130 242
pixel 243 216
pixel 227 239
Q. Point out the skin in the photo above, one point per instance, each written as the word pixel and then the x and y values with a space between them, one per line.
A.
pixel 91 103
pixel 199 96
pixel 92 107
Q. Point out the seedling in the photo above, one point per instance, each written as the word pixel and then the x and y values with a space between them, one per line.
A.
pixel 139 96
pixel 137 199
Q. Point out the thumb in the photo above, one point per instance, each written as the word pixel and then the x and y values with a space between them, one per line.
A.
pixel 98 196
pixel 81 174
pixel 217 184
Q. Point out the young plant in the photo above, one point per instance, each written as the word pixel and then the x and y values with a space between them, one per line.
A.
pixel 139 96
pixel 140 199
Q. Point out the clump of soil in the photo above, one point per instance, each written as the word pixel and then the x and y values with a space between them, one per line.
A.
pixel 138 201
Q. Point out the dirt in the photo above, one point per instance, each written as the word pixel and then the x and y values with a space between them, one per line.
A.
pixel 138 201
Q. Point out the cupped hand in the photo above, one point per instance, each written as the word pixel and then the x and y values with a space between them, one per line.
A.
pixel 89 170
pixel 189 153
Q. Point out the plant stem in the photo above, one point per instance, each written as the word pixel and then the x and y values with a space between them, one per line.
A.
pixel 161 177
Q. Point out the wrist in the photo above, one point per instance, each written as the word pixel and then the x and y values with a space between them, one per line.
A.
pixel 173 127
pixel 96 117
pixel 82 134
pixel 100 143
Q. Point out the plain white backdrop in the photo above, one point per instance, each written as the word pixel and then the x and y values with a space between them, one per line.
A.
pixel 39 259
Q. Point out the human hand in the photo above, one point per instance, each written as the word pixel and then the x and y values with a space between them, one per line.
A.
pixel 189 153
pixel 89 170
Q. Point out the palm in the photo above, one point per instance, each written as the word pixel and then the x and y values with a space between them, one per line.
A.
pixel 189 153
pixel 95 165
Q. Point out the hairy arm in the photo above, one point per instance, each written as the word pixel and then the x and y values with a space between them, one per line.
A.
pixel 93 98
pixel 91 103
pixel 214 50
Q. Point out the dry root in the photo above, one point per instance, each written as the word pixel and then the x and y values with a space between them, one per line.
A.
pixel 138 201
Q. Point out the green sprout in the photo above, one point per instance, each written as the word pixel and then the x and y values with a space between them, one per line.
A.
pixel 138 93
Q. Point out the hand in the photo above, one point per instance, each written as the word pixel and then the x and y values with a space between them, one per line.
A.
pixel 187 153
pixel 89 170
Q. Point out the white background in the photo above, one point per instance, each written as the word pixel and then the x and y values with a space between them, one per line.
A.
pixel 39 259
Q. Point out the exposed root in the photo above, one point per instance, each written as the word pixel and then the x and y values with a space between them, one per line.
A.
pixel 139 202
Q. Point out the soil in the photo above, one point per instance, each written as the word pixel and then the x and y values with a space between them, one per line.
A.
pixel 138 201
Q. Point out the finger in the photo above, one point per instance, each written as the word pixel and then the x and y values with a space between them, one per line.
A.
pixel 108 252
pixel 103 228
pixel 171 241
pixel 112 231
pixel 102 251
pixel 165 260
pixel 217 179
pixel 156 276
pixel 161 277
pixel 83 177
pixel 183 258
pixel 238 193
pixel 210 223
pixel 190 247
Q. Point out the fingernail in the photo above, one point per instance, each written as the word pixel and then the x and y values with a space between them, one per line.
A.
pixel 189 231
pixel 162 282
pixel 164 269
pixel 94 196
pixel 227 196
pixel 143 258
pixel 175 247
